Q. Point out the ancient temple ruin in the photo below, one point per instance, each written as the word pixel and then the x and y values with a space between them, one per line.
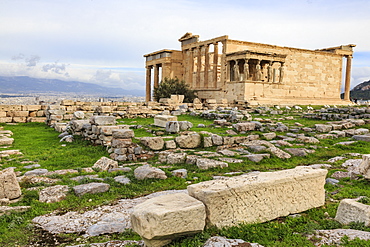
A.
pixel 246 72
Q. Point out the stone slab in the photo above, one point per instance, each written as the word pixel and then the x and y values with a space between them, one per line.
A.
pixel 161 120
pixel 260 197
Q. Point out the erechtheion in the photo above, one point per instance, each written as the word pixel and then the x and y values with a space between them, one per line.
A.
pixel 246 72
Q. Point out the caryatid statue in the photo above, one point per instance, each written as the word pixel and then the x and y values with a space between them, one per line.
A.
pixel 246 70
pixel 258 71
pixel 236 72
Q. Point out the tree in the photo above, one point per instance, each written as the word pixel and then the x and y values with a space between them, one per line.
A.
pixel 169 87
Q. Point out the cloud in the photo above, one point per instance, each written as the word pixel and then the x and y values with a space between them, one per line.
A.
pixel 32 60
pixel 359 75
pixel 20 56
pixel 55 68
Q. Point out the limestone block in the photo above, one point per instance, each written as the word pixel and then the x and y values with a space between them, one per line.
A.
pixel 192 140
pixel 154 143
pixel 91 188
pixel 67 102
pixel 104 109
pixel 173 127
pixel 78 125
pixel 31 107
pixel 260 197
pixel 364 167
pixel 107 130
pixel 2 114
pixel 323 127
pixel 17 114
pixel 146 171
pixel 6 141
pixel 365 138
pixel 161 120
pixel 217 140
pixel 103 120
pixel 171 144
pixel 349 210
pixel 248 126
pixel 123 133
pixel 53 194
pixel 60 127
pixel 176 158
pixel 121 143
pixel 19 119
pixel 104 164
pixel 161 219
pixel 6 119
pixel 9 187
pixel 204 163
pixel 79 114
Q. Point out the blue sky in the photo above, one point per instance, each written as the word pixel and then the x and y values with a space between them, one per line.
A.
pixel 103 41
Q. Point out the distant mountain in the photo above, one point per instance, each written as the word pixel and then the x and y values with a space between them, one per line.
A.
pixel 29 85
pixel 361 91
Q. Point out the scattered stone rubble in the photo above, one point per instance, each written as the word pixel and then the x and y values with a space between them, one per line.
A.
pixel 98 124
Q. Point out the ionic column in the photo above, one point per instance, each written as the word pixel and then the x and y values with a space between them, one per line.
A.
pixel 191 67
pixel 156 75
pixel 199 66
pixel 281 76
pixel 347 85
pixel 206 65
pixel 215 64
pixel 148 84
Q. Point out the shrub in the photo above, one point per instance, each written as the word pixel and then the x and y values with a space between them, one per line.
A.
pixel 169 87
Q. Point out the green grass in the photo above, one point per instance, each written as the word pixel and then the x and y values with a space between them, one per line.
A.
pixel 40 144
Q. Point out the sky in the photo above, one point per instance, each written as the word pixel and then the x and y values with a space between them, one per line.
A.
pixel 103 41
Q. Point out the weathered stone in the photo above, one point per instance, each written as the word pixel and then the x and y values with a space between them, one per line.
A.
pixel 53 194
pixel 248 126
pixel 154 143
pixel 176 158
pixel 207 141
pixel 192 140
pixel 182 173
pixel 104 164
pixel 6 141
pixel 122 179
pixel 161 120
pixel 36 172
pixel 161 219
pixel 106 228
pixel 281 127
pixel 260 197
pixel 91 188
pixel 365 138
pixel 121 143
pixel 146 171
pixel 171 144
pixel 9 187
pixel 349 210
pixel 269 136
pixel 323 127
pixel 364 167
pixel 307 139
pixel 217 140
pixel 218 241
pixel 67 138
pixel 335 237
pixel 185 125
pixel 279 153
pixel 79 114
pixel 173 126
pixel 204 163
pixel 257 157
pixel 297 151
pixel 103 120
pixel 227 152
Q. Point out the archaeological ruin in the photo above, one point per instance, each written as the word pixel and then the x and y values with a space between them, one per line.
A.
pixel 254 73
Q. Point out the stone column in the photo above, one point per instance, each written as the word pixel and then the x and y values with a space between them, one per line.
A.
pixel 281 76
pixel 206 65
pixel 191 67
pixel 199 66
pixel 215 64
pixel 156 75
pixel 148 92
pixel 347 85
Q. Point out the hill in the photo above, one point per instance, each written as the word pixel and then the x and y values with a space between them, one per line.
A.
pixel 361 91
pixel 29 85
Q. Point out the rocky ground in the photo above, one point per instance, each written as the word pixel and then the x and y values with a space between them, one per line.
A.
pixel 278 140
